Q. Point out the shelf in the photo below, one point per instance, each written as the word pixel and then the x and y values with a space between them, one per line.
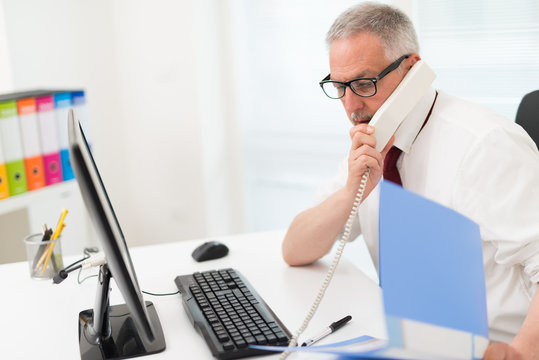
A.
pixel 61 190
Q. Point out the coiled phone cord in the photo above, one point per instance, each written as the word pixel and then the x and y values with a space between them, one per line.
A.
pixel 342 242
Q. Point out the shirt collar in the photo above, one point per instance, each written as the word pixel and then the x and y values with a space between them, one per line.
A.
pixel 411 125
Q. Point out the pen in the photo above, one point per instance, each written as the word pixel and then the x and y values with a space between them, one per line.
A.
pixel 47 233
pixel 60 225
pixel 44 251
pixel 55 236
pixel 330 329
pixel 53 258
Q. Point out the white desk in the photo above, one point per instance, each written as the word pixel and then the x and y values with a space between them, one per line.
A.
pixel 39 319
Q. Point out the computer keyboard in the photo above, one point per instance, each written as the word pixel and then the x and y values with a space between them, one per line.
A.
pixel 230 315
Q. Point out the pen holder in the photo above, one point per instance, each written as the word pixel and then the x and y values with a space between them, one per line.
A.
pixel 44 257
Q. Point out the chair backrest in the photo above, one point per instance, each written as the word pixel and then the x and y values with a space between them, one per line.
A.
pixel 528 115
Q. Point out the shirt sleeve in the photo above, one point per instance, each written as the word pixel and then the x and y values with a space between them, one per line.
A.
pixel 498 187
pixel 331 186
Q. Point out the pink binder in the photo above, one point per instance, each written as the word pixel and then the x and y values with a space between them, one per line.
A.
pixel 49 139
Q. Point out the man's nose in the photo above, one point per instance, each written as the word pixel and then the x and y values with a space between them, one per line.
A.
pixel 351 101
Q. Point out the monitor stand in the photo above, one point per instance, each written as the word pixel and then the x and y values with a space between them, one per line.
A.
pixel 109 332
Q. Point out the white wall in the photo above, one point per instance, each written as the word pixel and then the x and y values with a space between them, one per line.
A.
pixel 181 160
pixel 5 64
pixel 219 117
pixel 162 182
pixel 160 125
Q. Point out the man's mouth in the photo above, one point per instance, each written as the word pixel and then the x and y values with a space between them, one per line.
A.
pixel 358 118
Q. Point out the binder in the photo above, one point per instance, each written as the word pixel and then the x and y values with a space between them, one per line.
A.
pixel 78 100
pixel 33 160
pixel 48 134
pixel 4 190
pixel 12 148
pixel 62 103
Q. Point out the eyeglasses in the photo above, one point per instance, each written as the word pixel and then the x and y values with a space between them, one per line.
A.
pixel 364 87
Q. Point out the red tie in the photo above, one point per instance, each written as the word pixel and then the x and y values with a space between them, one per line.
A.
pixel 390 165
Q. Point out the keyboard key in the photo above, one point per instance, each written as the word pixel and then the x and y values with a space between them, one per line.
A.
pixel 281 336
pixel 223 337
pixel 261 340
pixel 272 339
pixel 241 344
pixel 237 338
pixel 250 340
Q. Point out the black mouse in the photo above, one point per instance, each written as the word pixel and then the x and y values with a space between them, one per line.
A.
pixel 210 250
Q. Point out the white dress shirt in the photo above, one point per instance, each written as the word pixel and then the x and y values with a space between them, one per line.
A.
pixel 486 167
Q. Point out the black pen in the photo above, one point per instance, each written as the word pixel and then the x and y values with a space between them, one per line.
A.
pixel 330 329
pixel 47 233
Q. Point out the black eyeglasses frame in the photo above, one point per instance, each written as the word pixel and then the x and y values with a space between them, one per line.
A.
pixel 395 64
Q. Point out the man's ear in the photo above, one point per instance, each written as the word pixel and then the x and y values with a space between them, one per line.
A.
pixel 412 59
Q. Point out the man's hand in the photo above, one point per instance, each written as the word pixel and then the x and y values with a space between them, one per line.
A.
pixel 501 351
pixel 313 231
pixel 363 155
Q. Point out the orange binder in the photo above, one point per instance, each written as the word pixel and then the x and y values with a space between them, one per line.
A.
pixel 4 190
pixel 33 159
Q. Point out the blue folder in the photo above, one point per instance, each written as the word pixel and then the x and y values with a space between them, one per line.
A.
pixel 433 284
pixel 431 262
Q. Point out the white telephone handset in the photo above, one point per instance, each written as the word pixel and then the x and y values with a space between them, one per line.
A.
pixel 401 101
pixel 385 121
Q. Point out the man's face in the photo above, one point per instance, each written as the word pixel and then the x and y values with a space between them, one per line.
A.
pixel 362 56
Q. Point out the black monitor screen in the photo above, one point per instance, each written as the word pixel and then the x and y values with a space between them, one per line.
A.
pixel 147 332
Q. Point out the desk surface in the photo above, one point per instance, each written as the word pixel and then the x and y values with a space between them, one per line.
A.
pixel 39 320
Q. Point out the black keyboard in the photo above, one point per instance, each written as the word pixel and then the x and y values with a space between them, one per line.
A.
pixel 226 310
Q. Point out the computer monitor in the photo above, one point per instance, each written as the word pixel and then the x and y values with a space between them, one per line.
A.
pixel 119 331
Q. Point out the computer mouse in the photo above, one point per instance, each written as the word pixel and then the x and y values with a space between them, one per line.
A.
pixel 210 250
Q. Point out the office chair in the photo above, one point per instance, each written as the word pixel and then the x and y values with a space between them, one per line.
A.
pixel 528 115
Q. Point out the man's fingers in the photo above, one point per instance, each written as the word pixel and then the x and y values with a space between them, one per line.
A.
pixel 361 139
pixel 495 351
pixel 501 351
pixel 364 128
pixel 365 150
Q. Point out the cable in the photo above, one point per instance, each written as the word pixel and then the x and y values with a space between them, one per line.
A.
pixel 145 292
pixel 329 275
pixel 91 261
pixel 87 262
pixel 62 274
pixel 68 267
pixel 87 253
pixel 165 294
pixel 86 278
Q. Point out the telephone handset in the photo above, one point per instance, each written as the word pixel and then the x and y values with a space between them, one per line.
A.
pixel 402 100
pixel 385 121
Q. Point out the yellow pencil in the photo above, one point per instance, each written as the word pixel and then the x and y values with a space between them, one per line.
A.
pixel 54 236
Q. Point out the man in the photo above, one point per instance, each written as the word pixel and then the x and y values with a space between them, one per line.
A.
pixel 456 153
